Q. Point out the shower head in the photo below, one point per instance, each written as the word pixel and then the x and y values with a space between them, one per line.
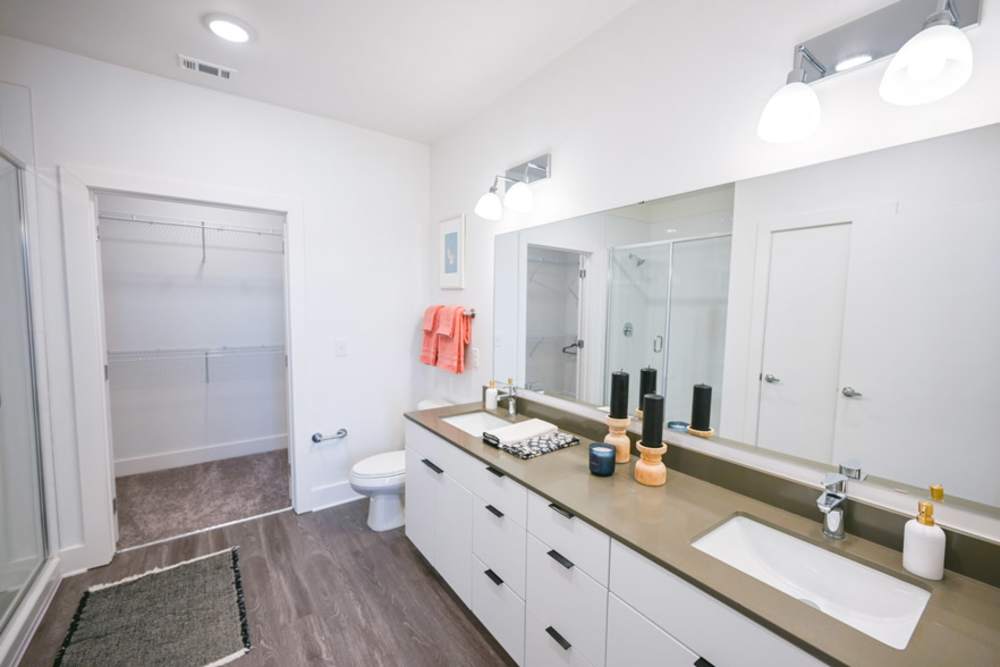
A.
pixel 639 261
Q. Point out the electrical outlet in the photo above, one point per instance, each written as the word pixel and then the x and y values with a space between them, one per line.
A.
pixel 474 357
pixel 340 347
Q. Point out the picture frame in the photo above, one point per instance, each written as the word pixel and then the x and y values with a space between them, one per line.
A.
pixel 451 258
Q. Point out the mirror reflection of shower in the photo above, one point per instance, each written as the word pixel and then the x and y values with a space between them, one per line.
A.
pixel 553 291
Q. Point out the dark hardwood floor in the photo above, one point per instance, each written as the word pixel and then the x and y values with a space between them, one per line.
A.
pixel 321 589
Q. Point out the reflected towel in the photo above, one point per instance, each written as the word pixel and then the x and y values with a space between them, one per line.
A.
pixel 429 346
pixel 454 332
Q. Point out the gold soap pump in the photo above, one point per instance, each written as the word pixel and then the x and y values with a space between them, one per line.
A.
pixel 924 541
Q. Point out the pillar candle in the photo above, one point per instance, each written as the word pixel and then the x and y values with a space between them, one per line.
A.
pixel 652 420
pixel 647 384
pixel 619 395
pixel 701 407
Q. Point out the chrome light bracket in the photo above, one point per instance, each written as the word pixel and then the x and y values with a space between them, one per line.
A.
pixel 879 34
pixel 535 169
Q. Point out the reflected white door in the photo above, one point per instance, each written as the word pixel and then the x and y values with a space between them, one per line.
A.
pixel 802 338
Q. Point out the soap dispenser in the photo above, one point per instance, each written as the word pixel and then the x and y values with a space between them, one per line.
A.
pixel 490 398
pixel 923 544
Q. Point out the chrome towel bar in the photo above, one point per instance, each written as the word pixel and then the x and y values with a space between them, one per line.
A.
pixel 319 437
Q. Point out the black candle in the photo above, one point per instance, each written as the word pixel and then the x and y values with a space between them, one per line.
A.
pixel 701 407
pixel 652 420
pixel 619 395
pixel 647 384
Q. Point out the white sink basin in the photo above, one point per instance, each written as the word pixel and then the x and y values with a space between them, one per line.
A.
pixel 475 423
pixel 873 602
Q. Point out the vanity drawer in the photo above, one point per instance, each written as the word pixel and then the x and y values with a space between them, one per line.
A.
pixel 452 460
pixel 695 618
pixel 634 641
pixel 570 535
pixel 499 609
pixel 561 595
pixel 499 490
pixel 500 543
pixel 542 647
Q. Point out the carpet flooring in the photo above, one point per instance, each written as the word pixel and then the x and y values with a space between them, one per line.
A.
pixel 166 503
pixel 320 589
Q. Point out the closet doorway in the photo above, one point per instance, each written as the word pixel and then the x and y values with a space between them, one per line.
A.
pixel 194 308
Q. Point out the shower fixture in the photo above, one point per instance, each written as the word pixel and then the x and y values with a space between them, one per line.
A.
pixel 932 58
pixel 639 261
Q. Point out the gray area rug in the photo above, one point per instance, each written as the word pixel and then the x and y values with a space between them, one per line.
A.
pixel 167 503
pixel 189 614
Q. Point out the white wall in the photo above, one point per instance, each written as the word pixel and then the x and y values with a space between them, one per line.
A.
pixel 921 320
pixel 364 197
pixel 161 293
pixel 663 101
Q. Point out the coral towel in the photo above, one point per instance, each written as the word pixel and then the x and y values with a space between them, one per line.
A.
pixel 429 347
pixel 454 331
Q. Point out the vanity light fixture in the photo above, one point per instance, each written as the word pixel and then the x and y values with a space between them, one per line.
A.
pixel 932 59
pixel 517 196
pixel 228 28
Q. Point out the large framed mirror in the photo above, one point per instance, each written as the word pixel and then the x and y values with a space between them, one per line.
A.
pixel 842 311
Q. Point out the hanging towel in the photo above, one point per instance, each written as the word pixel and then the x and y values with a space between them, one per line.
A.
pixel 429 346
pixel 454 332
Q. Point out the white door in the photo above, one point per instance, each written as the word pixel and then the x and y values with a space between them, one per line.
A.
pixel 802 335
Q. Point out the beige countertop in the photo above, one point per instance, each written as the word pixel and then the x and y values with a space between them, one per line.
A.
pixel 959 626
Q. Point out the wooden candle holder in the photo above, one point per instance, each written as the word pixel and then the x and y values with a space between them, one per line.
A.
pixel 618 438
pixel 701 434
pixel 649 469
pixel 638 414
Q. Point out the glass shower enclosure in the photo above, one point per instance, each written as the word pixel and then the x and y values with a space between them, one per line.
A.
pixel 23 546
pixel 667 305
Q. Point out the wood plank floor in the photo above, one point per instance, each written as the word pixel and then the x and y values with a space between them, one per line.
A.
pixel 321 589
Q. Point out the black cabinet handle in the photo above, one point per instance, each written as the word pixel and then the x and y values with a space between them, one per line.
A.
pixel 562 510
pixel 430 465
pixel 562 560
pixel 558 637
pixel 493 577
pixel 494 511
pixel 496 471
pixel 701 662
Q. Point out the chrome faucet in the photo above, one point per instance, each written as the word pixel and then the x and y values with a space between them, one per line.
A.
pixel 510 391
pixel 831 503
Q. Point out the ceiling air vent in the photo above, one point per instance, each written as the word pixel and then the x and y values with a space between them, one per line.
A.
pixel 202 67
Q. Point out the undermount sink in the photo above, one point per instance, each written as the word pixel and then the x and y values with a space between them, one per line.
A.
pixel 873 602
pixel 475 423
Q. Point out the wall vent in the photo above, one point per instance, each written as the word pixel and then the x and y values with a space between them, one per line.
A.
pixel 203 67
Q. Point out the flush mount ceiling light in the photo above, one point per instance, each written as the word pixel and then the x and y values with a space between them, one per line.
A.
pixel 933 59
pixel 518 196
pixel 228 28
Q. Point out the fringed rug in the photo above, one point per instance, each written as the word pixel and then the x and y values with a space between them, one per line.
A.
pixel 188 614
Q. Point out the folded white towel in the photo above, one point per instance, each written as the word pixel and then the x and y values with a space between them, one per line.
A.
pixel 531 428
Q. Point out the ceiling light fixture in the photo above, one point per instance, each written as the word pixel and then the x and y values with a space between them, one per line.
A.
pixel 932 65
pixel 793 113
pixel 518 196
pixel 852 61
pixel 228 28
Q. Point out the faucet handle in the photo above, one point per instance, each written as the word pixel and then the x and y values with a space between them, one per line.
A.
pixel 851 468
pixel 834 482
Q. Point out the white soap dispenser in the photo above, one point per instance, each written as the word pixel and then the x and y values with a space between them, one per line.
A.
pixel 490 398
pixel 923 544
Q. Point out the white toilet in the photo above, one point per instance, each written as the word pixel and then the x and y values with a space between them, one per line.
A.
pixel 382 478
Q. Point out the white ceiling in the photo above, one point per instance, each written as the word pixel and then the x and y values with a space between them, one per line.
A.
pixel 412 68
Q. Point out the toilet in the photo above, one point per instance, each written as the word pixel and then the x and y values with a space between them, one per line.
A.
pixel 382 478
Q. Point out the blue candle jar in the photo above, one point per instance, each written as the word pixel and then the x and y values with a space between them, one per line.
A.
pixel 602 459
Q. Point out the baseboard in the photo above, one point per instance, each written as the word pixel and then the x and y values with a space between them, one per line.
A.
pixel 186 457
pixel 331 495
pixel 21 628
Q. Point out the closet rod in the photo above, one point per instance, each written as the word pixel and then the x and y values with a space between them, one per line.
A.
pixel 193 353
pixel 122 217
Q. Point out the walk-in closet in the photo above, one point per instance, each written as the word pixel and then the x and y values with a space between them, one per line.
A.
pixel 194 312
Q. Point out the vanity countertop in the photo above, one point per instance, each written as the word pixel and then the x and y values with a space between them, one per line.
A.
pixel 960 625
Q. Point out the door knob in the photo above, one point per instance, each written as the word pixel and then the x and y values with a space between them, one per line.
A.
pixel 850 392
pixel 771 379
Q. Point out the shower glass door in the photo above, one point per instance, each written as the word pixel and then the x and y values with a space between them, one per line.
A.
pixel 22 521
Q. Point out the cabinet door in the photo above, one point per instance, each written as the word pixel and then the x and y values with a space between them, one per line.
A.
pixel 421 495
pixel 633 641
pixel 453 529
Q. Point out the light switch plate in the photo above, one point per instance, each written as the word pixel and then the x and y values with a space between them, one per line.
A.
pixel 474 356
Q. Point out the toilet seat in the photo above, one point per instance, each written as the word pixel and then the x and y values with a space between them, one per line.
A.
pixel 380 466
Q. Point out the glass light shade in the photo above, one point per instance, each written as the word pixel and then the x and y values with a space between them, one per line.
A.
pixel 229 30
pixel 935 63
pixel 489 206
pixel 792 114
pixel 519 198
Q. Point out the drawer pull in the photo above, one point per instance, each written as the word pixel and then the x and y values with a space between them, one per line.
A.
pixel 493 577
pixel 496 471
pixel 562 510
pixel 430 465
pixel 701 662
pixel 558 637
pixel 494 511
pixel 562 560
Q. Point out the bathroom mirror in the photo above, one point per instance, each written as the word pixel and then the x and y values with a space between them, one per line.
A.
pixel 844 310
